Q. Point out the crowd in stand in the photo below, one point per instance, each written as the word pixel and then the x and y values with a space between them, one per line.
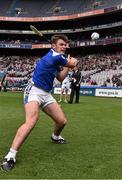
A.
pixel 96 69
pixel 100 61
pixel 18 70
pixel 102 69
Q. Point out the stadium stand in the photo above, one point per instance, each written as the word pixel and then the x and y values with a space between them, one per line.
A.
pixel 96 70
pixel 100 60
pixel 18 70
pixel 23 8
pixel 4 7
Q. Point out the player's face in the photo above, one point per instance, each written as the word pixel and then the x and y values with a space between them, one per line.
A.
pixel 60 46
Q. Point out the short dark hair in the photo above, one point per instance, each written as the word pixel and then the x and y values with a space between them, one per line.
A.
pixel 56 37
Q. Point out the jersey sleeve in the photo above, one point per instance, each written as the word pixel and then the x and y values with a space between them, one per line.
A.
pixel 61 60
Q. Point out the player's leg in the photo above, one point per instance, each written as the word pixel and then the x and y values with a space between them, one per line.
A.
pixel 56 113
pixel 61 95
pixel 66 95
pixel 31 116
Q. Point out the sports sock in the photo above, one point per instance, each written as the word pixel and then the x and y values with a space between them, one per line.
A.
pixel 11 154
pixel 55 137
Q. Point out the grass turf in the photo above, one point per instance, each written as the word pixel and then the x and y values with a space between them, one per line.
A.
pixel 94 130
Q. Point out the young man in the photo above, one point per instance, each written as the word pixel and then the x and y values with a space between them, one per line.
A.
pixel 65 86
pixel 37 94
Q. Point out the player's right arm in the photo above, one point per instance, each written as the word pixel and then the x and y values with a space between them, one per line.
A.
pixel 62 74
pixel 70 62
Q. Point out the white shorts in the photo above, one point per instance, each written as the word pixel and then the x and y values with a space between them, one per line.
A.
pixel 65 86
pixel 33 93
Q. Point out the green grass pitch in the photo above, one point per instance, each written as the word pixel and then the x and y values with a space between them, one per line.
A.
pixel 94 131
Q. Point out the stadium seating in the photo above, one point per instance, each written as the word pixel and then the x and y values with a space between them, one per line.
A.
pixel 51 8
pixel 96 70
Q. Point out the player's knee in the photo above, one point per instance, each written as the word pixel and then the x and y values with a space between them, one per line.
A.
pixel 29 127
pixel 63 122
pixel 30 124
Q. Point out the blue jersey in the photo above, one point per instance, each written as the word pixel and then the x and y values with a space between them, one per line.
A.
pixel 47 69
